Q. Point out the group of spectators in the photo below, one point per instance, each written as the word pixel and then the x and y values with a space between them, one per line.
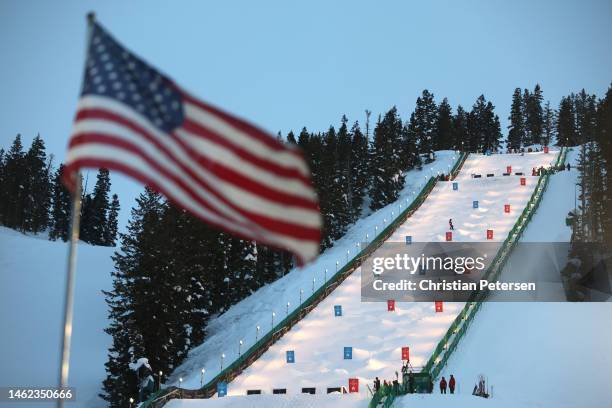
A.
pixel 550 169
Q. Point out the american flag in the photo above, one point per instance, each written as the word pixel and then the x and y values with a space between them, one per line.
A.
pixel 231 174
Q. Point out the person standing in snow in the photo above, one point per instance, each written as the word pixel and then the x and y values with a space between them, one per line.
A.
pixel 450 224
pixel 443 386
pixel 376 384
pixel 451 384
pixel 568 167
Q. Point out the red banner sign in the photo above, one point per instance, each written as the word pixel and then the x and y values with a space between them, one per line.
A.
pixel 523 181
pixel 508 169
pixel 390 305
pixel 449 236
pixel 545 149
pixel 406 353
pixel 489 234
pixel 439 307
pixel 506 208
pixel 353 384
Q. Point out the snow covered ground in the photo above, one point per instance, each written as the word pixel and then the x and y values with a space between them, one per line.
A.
pixel 375 334
pixel 32 281
pixel 277 401
pixel 351 401
pixel 540 354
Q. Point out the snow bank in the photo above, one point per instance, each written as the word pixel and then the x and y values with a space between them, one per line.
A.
pixel 277 401
pixel 32 282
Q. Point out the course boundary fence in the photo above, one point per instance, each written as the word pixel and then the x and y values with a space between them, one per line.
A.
pixel 160 397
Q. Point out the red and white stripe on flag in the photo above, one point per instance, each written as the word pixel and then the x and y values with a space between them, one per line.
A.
pixel 218 167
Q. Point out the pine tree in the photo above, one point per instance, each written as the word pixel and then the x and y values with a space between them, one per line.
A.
pixel 333 201
pixel 548 129
pixel 14 199
pixel 516 133
pixel 585 108
pixel 112 223
pixel 2 181
pixel 566 123
pixel 129 298
pixel 460 129
pixel 484 128
pixel 423 124
pixel 534 115
pixel 444 129
pixel 37 188
pixel 60 209
pixel 604 140
pixel 387 165
pixel 87 231
pixel 291 138
pixel 94 220
pixel 359 170
pixel 345 211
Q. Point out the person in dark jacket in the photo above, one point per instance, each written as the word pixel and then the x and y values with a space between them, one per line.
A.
pixel 451 384
pixel 376 384
pixel 443 386
pixel 568 167
pixel 450 224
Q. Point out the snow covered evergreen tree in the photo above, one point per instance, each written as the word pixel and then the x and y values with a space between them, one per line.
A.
pixel 534 116
pixel 566 123
pixel 112 223
pixel 37 188
pixel 460 129
pixel 99 211
pixel 387 166
pixel 130 303
pixel 423 124
pixel 444 126
pixel 586 114
pixel 549 125
pixel 359 170
pixel 484 128
pixel 60 209
pixel 13 199
pixel 516 133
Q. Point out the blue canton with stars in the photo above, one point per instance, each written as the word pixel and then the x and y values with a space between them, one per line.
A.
pixel 114 72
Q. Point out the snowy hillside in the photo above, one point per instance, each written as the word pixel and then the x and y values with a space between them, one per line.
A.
pixel 32 281
pixel 241 320
pixel 376 335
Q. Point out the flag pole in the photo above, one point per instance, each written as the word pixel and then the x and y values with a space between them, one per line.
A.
pixel 75 223
pixel 70 278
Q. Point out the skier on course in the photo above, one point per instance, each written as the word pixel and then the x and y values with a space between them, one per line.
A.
pixel 450 224
pixel 568 167
pixel 451 384
pixel 443 386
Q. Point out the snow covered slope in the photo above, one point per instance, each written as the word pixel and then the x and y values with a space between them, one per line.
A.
pixel 375 334
pixel 541 354
pixel 32 281
pixel 241 320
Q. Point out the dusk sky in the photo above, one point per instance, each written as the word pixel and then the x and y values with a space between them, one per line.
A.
pixel 285 65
